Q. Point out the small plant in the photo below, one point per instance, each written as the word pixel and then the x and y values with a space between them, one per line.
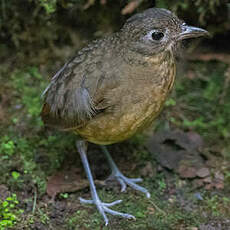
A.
pixel 9 212
pixel 170 102
pixel 7 147
pixel 218 205
pixel 49 5
pixel 28 84
pixel 44 218
pixel 162 185
pixel 15 175
pixel 212 204
pixel 64 195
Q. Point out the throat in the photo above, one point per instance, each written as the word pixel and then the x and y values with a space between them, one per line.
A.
pixel 137 59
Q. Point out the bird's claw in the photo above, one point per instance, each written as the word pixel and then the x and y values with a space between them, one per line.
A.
pixel 103 208
pixel 124 181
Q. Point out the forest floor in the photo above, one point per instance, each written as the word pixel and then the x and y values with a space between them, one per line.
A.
pixel 184 157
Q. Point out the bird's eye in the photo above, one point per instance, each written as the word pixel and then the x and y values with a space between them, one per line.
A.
pixel 157 36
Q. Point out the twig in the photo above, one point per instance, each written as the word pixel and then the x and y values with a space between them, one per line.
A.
pixel 88 4
pixel 35 200
pixel 131 6
pixel 225 58
pixel 157 208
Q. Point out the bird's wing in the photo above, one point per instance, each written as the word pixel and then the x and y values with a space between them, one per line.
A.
pixel 77 92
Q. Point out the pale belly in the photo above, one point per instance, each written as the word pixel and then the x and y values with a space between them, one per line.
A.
pixel 109 128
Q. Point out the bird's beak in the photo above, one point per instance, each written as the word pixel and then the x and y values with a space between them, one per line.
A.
pixel 192 32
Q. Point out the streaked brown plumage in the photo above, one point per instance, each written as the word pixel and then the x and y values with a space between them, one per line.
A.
pixel 117 86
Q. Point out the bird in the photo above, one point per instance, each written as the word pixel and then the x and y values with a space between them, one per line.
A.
pixel 115 87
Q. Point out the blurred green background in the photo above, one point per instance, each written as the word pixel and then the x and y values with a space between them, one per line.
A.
pixel 28 26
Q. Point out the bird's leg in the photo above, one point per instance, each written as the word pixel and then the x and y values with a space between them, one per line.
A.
pixel 101 206
pixel 123 180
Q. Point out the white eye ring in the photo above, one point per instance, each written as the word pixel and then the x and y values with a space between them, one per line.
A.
pixel 149 36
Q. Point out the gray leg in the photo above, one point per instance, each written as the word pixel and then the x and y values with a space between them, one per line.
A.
pixel 117 175
pixel 102 207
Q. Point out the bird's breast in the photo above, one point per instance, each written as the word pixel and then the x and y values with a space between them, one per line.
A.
pixel 139 100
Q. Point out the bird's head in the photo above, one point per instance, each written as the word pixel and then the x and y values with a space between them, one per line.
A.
pixel 156 30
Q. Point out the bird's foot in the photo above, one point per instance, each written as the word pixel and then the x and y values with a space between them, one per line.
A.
pixel 124 181
pixel 104 208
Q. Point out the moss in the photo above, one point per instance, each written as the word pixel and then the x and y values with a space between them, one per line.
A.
pixel 205 108
pixel 9 212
